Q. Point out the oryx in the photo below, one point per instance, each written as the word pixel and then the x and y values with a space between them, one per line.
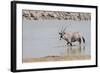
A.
pixel 72 37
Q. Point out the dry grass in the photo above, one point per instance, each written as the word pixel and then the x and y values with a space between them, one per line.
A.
pixel 57 58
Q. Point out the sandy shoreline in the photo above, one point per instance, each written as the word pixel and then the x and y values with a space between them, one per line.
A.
pixel 57 58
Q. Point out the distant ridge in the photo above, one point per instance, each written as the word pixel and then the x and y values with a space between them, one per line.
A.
pixel 58 15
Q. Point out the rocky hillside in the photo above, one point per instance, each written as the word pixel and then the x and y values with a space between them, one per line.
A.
pixel 51 15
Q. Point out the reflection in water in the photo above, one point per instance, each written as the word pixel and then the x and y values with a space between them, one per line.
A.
pixel 74 50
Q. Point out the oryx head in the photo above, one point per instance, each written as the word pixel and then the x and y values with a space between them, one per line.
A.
pixel 62 33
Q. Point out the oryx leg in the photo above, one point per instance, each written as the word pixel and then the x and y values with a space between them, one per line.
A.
pixel 79 41
pixel 80 44
pixel 69 43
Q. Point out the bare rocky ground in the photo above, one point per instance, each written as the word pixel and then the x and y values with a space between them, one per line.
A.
pixel 43 15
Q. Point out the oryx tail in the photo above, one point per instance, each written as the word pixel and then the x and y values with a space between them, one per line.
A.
pixel 83 39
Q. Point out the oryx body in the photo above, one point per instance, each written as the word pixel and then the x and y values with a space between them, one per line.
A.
pixel 72 37
pixel 74 40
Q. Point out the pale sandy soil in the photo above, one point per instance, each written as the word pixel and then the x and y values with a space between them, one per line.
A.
pixel 57 58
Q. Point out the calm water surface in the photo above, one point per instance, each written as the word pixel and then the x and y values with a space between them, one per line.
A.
pixel 41 38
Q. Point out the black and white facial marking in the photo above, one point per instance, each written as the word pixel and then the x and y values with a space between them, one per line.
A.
pixel 61 35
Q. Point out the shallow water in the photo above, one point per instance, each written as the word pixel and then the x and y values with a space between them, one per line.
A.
pixel 41 38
